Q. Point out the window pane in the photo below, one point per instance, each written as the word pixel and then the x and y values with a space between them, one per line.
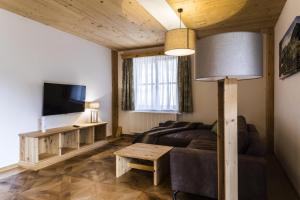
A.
pixel 155 83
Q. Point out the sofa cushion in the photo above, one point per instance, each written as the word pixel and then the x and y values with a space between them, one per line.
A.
pixel 256 146
pixel 243 138
pixel 214 128
pixel 183 138
pixel 204 144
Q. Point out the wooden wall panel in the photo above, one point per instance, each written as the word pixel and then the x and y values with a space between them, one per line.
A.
pixel 115 96
pixel 270 89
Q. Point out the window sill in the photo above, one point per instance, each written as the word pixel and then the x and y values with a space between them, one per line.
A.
pixel 155 112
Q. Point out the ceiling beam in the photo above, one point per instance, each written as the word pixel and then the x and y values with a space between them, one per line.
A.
pixel 163 13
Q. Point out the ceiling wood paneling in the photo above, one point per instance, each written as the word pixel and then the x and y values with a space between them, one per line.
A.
pixel 203 13
pixel 215 16
pixel 125 24
pixel 117 24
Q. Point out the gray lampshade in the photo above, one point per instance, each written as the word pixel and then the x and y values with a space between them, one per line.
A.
pixel 234 55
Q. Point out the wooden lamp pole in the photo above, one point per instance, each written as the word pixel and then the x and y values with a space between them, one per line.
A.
pixel 227 140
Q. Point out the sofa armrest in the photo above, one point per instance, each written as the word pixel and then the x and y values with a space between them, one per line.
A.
pixel 194 171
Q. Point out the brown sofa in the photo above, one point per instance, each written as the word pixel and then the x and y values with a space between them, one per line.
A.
pixel 194 159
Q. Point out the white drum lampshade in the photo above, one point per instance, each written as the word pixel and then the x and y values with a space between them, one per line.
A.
pixel 236 55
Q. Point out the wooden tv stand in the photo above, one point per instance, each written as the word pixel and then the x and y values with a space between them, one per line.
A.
pixel 39 150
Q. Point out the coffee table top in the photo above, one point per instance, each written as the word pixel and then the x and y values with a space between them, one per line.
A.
pixel 143 151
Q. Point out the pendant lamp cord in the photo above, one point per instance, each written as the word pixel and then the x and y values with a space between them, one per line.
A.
pixel 180 20
pixel 180 11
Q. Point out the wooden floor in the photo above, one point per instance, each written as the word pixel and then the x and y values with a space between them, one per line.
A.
pixel 92 177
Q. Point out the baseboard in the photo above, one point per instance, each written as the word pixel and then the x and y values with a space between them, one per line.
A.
pixel 8 168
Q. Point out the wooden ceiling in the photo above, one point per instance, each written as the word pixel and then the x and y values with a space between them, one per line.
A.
pixel 215 16
pixel 199 14
pixel 117 24
pixel 124 24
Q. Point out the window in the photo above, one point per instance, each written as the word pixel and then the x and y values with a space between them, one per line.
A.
pixel 155 83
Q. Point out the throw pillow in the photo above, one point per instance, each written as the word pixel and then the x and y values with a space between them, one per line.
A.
pixel 214 128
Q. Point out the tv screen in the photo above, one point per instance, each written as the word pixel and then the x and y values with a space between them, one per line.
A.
pixel 63 99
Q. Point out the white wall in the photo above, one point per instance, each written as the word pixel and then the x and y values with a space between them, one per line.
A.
pixel 251 104
pixel 32 53
pixel 287 100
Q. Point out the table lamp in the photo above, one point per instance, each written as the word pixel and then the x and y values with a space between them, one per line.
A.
pixel 227 58
pixel 94 107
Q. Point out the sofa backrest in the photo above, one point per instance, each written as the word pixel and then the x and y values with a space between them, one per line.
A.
pixel 256 146
pixel 243 135
pixel 248 139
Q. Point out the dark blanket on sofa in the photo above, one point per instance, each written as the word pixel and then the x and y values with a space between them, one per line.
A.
pixel 176 133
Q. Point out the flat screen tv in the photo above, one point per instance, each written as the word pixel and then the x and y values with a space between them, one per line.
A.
pixel 63 99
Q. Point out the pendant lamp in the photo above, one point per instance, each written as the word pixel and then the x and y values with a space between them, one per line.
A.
pixel 180 41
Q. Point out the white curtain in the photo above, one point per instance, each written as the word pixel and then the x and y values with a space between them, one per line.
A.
pixel 155 83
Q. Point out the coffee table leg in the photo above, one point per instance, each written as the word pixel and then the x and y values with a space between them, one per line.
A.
pixel 156 173
pixel 122 166
pixel 161 168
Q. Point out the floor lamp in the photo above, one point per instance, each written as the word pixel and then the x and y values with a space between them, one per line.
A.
pixel 227 58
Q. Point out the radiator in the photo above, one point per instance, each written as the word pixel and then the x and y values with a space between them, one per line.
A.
pixel 137 122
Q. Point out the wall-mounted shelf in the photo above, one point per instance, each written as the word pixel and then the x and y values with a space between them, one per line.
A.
pixel 39 150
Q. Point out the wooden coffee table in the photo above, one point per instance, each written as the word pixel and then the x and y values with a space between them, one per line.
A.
pixel 158 156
